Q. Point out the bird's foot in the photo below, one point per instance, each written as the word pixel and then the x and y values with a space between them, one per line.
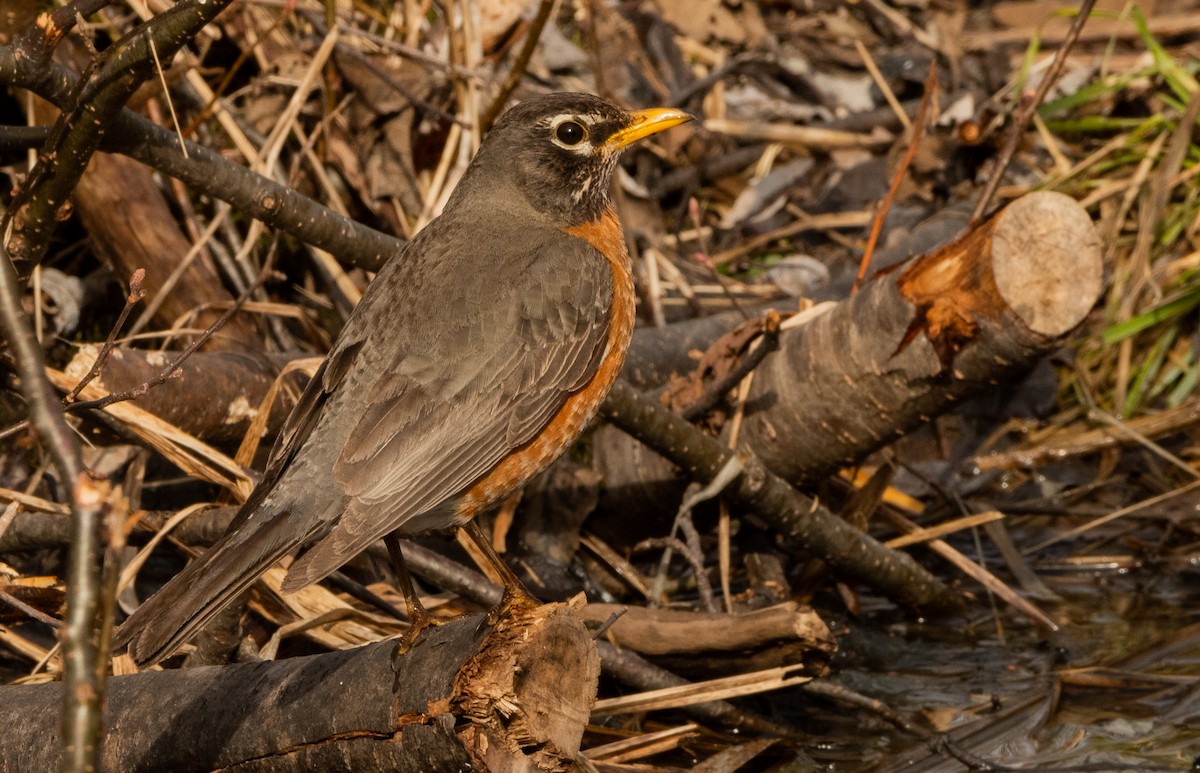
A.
pixel 515 599
pixel 417 624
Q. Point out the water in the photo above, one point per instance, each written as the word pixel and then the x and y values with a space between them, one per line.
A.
pixel 1003 690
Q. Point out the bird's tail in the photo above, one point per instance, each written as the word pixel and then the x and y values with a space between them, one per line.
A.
pixel 206 586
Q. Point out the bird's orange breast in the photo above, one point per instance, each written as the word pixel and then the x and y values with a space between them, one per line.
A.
pixel 516 469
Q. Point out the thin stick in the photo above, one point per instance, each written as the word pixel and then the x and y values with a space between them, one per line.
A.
pixel 701 692
pixel 136 293
pixel 703 257
pixel 1024 112
pixel 869 62
pixel 174 368
pixel 768 343
pixel 36 614
pixel 918 129
pixel 1115 514
pixel 162 79
pixel 83 685
pixel 519 65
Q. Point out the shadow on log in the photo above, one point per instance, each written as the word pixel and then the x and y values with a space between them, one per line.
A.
pixel 511 697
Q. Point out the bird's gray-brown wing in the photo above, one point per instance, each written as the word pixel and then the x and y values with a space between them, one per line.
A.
pixel 442 411
pixel 257 538
pixel 300 423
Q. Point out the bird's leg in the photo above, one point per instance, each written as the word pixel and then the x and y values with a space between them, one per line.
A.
pixel 515 594
pixel 418 617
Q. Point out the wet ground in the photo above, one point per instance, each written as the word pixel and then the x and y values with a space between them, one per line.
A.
pixel 1011 694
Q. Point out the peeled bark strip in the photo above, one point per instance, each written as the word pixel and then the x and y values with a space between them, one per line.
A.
pixel 951 325
pixel 466 696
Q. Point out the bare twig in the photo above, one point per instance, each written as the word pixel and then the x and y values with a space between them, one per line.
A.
pixel 36 614
pixel 386 78
pixel 694 553
pixel 914 141
pixel 173 369
pixel 636 671
pixel 612 619
pixel 852 553
pixel 704 258
pixel 136 293
pixel 694 557
pixel 845 695
pixel 768 342
pixel 518 66
pixel 84 686
pixel 1024 113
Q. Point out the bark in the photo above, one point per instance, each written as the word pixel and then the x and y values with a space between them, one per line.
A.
pixel 514 696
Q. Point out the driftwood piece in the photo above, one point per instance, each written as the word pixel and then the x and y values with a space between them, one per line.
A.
pixel 706 645
pixel 676 631
pixel 465 696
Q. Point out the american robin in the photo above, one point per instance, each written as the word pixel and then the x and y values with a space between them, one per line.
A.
pixel 474 359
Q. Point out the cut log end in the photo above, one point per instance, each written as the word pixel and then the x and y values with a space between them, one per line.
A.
pixel 1047 261
pixel 529 692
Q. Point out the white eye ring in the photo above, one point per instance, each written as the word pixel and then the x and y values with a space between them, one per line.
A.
pixel 571 132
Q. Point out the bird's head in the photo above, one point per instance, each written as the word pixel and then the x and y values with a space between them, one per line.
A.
pixel 560 150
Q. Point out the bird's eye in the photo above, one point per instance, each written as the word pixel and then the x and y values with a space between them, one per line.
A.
pixel 570 133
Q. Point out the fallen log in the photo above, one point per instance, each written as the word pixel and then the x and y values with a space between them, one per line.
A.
pixel 467 695
pixel 949 326
pixel 909 346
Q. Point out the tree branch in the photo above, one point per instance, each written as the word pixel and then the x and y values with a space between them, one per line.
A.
pixel 850 552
